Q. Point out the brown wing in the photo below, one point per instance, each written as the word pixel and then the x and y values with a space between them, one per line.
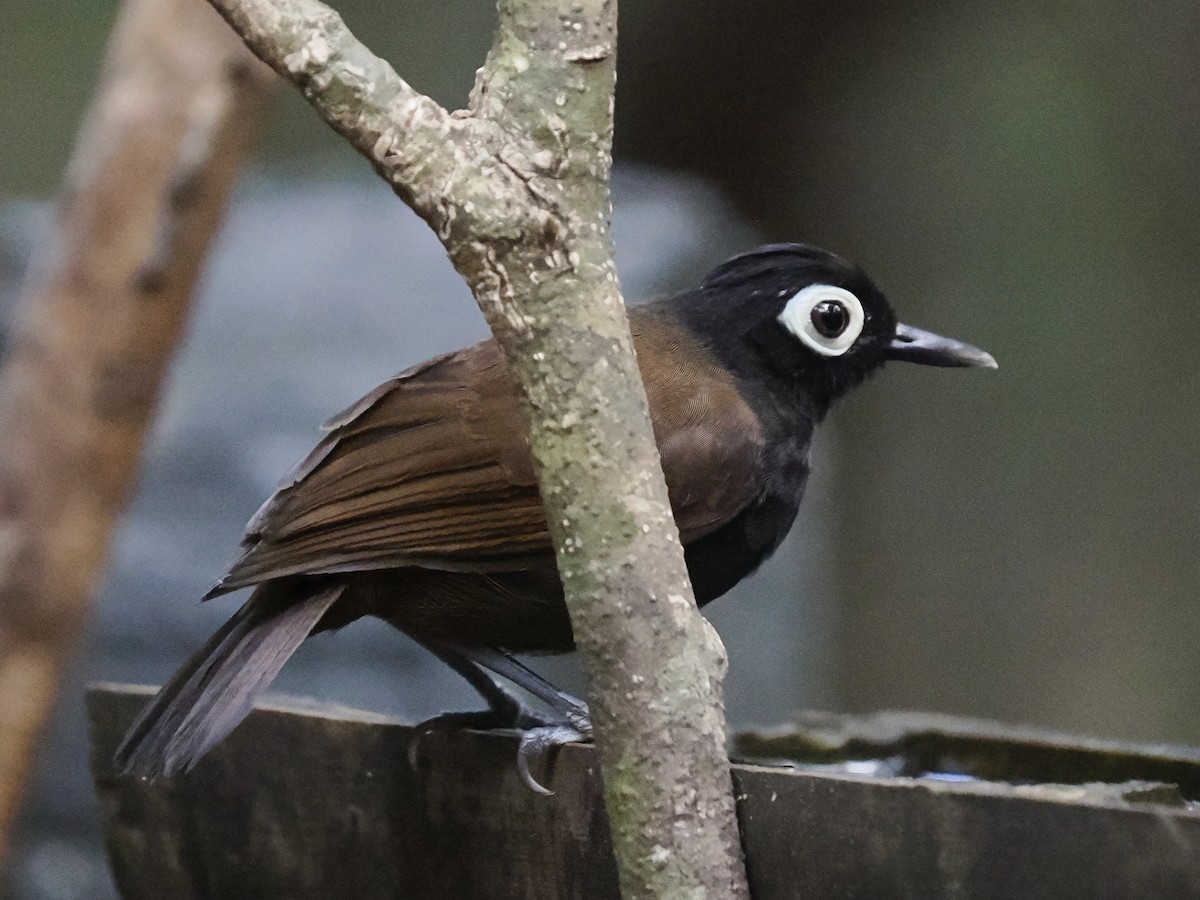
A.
pixel 432 469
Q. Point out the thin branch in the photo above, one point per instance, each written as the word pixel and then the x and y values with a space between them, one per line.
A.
pixel 517 188
pixel 359 94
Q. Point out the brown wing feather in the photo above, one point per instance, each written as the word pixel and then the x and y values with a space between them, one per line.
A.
pixel 432 469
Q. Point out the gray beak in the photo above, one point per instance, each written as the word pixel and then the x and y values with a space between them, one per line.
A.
pixel 929 349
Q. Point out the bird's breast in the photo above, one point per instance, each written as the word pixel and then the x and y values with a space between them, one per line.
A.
pixel 719 560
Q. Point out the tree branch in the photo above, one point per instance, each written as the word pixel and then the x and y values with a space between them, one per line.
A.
pixel 517 188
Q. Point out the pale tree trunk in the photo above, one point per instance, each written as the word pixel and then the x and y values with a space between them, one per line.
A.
pixel 101 315
pixel 517 188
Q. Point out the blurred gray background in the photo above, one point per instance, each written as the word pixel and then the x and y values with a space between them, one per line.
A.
pixel 1019 544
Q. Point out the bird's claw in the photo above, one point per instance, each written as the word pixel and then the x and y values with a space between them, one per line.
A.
pixel 569 720
pixel 514 715
pixel 537 743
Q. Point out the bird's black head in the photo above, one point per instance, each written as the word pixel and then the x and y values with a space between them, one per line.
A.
pixel 810 321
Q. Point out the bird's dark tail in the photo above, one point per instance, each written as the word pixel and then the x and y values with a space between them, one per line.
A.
pixel 216 688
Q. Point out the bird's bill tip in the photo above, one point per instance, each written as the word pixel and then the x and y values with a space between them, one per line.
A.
pixel 926 348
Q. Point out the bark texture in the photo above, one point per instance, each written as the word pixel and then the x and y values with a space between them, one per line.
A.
pixel 100 317
pixel 517 188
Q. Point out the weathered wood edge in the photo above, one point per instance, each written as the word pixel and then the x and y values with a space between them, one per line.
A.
pixel 309 799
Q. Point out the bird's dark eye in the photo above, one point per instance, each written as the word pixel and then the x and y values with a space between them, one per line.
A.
pixel 830 318
pixel 827 319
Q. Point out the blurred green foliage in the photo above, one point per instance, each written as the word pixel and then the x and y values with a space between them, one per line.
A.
pixel 1025 545
pixel 48 61
pixel 50 58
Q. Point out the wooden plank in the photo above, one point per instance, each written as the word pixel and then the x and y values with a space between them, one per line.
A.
pixel 318 802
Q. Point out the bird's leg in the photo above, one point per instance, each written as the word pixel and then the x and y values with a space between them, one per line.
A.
pixel 569 707
pixel 504 710
pixel 537 742
pixel 539 735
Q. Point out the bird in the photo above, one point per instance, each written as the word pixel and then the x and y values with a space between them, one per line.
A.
pixel 420 505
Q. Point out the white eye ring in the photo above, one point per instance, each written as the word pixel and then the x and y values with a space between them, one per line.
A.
pixel 797 317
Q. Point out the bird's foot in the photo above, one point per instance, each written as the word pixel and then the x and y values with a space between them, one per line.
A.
pixel 537 745
pixel 540 736
pixel 506 713
pixel 569 719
